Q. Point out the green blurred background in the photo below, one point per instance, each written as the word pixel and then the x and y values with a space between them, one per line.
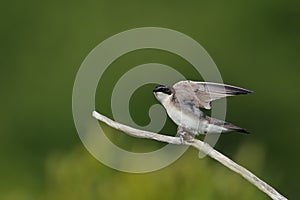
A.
pixel 255 44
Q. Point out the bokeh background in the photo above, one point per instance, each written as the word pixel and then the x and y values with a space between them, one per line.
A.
pixel 255 44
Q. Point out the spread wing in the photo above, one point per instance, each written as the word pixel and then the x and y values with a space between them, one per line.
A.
pixel 202 94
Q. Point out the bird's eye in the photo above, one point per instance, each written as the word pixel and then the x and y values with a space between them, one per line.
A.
pixel 167 91
pixel 163 89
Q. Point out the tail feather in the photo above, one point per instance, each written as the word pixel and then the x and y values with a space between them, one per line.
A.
pixel 227 125
pixel 235 128
pixel 241 130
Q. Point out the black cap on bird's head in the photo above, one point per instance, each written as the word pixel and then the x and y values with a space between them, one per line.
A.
pixel 163 89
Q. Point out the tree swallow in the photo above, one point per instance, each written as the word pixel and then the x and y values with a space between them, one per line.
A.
pixel 185 99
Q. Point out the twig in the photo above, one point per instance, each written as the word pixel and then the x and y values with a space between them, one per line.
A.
pixel 201 146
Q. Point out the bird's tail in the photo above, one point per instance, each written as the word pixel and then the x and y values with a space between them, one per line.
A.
pixel 227 125
pixel 235 128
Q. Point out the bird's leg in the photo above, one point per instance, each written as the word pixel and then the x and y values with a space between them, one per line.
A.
pixel 184 135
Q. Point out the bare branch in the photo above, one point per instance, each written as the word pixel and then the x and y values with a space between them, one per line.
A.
pixel 201 146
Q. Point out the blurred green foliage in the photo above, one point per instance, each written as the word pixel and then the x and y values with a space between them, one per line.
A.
pixel 77 175
pixel 255 44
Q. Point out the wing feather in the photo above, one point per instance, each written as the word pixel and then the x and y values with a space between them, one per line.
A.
pixel 203 93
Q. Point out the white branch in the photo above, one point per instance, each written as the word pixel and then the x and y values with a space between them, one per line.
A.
pixel 201 146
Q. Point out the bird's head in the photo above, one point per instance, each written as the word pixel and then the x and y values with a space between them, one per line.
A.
pixel 163 93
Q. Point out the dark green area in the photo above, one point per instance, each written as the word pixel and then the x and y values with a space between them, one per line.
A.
pixel 255 45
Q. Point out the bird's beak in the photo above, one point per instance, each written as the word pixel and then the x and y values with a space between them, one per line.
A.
pixel 156 89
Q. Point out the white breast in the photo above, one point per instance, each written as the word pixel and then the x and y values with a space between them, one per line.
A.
pixel 187 120
pixel 193 122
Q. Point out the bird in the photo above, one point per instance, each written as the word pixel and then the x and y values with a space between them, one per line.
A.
pixel 183 103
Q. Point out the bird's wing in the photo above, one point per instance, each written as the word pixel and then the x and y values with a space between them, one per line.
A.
pixel 203 93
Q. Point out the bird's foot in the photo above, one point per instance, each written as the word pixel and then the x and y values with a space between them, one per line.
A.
pixel 184 135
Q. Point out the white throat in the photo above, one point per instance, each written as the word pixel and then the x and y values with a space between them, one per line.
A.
pixel 163 98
